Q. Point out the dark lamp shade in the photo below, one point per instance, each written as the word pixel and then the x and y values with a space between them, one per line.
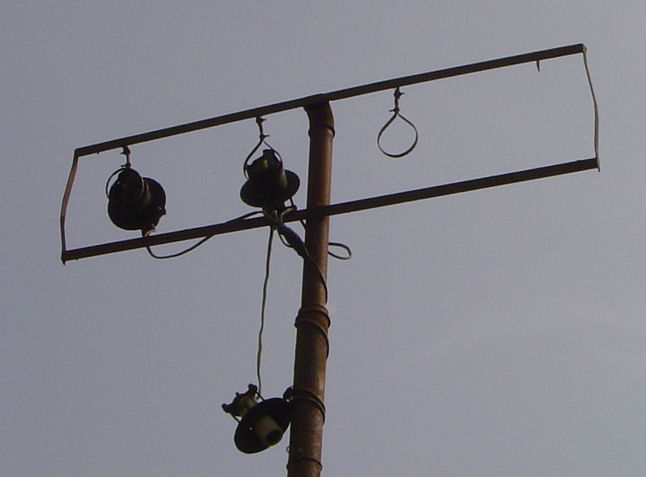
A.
pixel 262 426
pixel 135 202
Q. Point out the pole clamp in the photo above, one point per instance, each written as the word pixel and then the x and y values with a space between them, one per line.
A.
pixel 317 317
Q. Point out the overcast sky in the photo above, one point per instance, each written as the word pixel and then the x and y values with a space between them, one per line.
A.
pixel 493 333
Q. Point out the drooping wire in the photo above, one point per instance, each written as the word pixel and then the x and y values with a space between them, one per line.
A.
pixel 262 309
pixel 596 107
pixel 398 94
pixel 594 104
pixel 178 254
pixel 195 245
pixel 291 240
pixel 345 247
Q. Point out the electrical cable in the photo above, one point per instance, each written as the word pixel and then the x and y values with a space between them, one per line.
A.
pixel 330 244
pixel 596 108
pixel 262 309
pixel 292 240
pixel 195 245
pixel 344 247
pixel 178 254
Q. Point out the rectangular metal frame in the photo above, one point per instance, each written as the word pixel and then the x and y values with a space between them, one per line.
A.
pixel 334 209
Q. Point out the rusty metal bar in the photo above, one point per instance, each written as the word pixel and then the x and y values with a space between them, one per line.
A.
pixel 312 322
pixel 331 96
pixel 336 209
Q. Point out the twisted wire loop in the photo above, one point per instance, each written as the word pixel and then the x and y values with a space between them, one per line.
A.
pixel 261 140
pixel 398 94
pixel 295 458
pixel 303 394
pixel 298 454
pixel 318 318
pixel 127 165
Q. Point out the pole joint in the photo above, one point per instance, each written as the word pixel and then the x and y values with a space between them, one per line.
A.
pixel 320 116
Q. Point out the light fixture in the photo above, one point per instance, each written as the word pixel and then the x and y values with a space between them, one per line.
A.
pixel 268 185
pixel 135 202
pixel 261 424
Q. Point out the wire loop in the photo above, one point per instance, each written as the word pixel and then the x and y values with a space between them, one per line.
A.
pixel 398 94
pixel 127 165
pixel 261 140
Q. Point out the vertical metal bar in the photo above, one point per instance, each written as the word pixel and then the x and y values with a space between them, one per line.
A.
pixel 312 322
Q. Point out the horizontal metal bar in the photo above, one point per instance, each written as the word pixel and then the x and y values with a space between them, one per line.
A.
pixel 336 209
pixel 331 96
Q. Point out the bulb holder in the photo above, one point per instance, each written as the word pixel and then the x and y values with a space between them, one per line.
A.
pixel 135 202
pixel 268 185
pixel 262 424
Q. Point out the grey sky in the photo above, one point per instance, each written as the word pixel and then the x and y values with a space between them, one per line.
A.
pixel 498 332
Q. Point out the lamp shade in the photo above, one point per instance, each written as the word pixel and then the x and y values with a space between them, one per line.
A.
pixel 268 185
pixel 262 426
pixel 135 202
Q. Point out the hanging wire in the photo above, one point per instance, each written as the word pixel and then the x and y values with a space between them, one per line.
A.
pixel 594 104
pixel 397 94
pixel 596 109
pixel 174 255
pixel 262 309
pixel 343 246
pixel 195 245
pixel 291 240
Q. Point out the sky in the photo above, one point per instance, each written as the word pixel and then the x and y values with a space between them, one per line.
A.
pixel 496 332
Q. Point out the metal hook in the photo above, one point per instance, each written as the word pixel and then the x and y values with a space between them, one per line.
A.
pixel 126 152
pixel 397 94
pixel 261 140
pixel 261 133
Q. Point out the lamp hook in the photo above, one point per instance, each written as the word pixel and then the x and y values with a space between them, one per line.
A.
pixel 261 140
pixel 126 152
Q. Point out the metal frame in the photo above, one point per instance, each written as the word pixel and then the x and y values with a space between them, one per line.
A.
pixel 333 209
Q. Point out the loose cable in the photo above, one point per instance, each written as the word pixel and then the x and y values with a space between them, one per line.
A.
pixel 262 309
pixel 345 247
pixel 292 240
pixel 596 108
pixel 195 245
pixel 348 250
